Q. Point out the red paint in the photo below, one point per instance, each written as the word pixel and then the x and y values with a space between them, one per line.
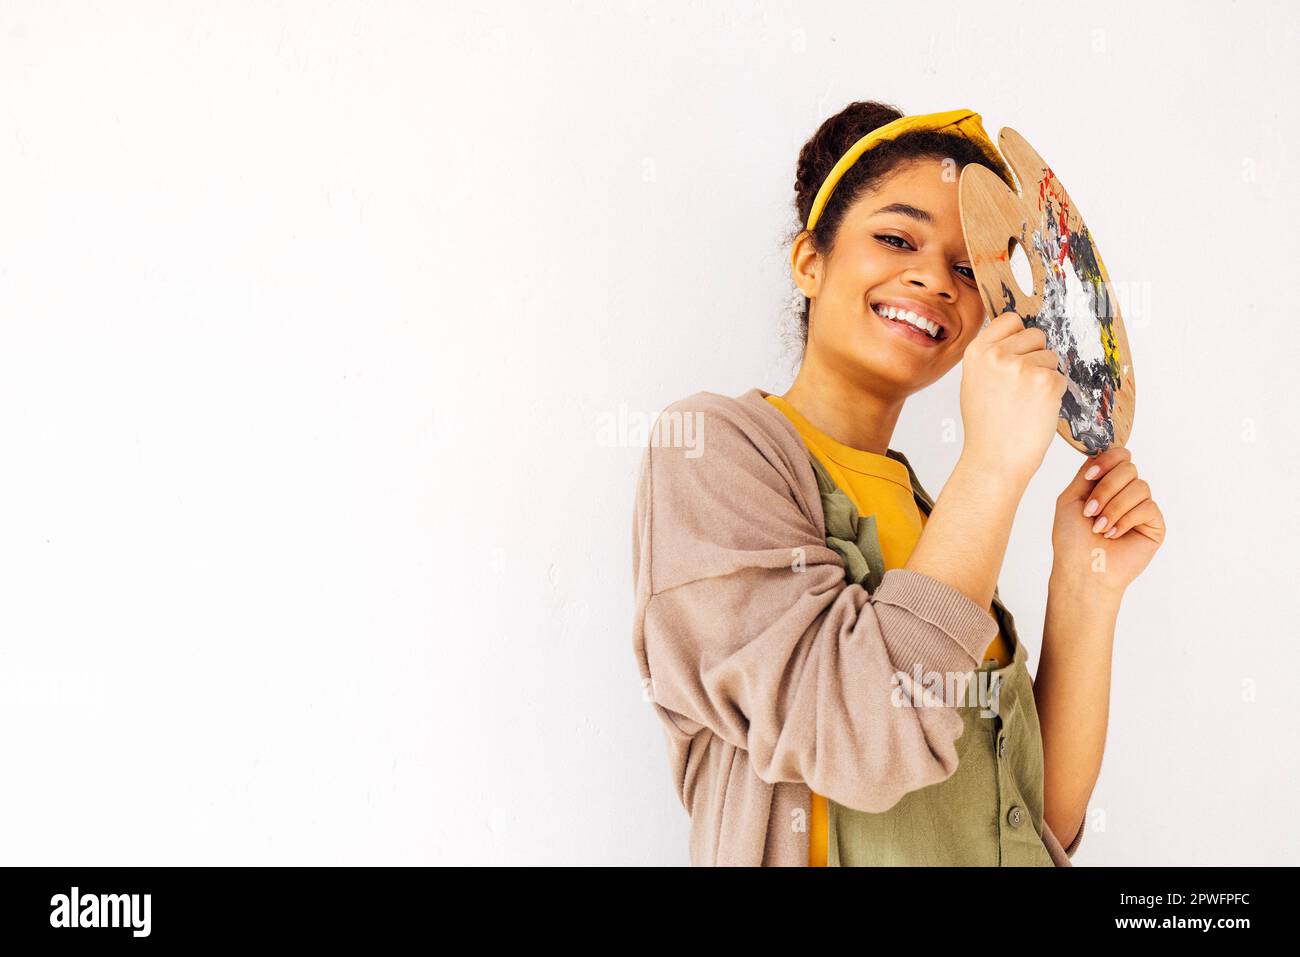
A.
pixel 1050 186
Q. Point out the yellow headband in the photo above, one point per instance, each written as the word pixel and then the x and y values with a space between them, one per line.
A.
pixel 955 122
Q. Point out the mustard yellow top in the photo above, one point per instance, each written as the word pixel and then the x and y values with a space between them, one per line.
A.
pixel 877 485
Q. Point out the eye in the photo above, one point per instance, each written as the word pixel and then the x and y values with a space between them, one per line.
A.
pixel 971 277
pixel 885 236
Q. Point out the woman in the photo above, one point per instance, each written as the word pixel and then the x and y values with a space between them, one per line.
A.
pixel 797 590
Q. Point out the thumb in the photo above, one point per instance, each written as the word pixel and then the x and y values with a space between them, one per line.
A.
pixel 1081 485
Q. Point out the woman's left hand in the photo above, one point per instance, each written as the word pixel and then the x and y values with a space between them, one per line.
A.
pixel 1133 530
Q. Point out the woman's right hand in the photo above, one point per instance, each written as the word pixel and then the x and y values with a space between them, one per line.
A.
pixel 1010 398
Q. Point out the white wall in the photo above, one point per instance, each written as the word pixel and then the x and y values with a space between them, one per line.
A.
pixel 310 547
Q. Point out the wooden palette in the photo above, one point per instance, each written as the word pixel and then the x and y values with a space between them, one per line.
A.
pixel 1073 300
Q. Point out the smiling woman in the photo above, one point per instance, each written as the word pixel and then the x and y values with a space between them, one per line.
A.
pixel 790 579
pixel 883 239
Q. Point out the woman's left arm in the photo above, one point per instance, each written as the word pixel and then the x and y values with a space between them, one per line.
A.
pixel 1093 562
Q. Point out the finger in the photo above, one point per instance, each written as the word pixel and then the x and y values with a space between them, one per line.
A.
pixel 1107 487
pixel 1045 358
pixel 1124 501
pixel 1146 519
pixel 1081 485
pixel 1028 339
pixel 1007 324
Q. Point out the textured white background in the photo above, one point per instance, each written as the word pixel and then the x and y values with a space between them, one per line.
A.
pixel 311 550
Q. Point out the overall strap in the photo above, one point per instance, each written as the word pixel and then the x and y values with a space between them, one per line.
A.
pixel 851 535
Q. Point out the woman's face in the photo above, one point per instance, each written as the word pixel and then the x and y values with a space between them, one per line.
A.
pixel 900 245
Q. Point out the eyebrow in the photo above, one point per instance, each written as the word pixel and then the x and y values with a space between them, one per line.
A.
pixel 907 209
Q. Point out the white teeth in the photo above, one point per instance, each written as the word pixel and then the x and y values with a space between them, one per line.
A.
pixel 893 312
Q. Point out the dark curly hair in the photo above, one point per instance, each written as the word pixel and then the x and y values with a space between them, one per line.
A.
pixel 833 139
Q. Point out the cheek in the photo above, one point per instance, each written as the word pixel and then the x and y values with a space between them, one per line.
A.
pixel 972 312
pixel 970 331
pixel 864 266
pixel 850 290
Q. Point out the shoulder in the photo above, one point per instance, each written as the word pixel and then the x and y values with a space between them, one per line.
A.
pixel 735 445
pixel 722 477
pixel 742 421
pixel 731 432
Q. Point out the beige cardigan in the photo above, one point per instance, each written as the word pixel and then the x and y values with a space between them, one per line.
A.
pixel 763 665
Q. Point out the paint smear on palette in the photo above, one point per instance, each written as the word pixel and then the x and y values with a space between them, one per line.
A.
pixel 1078 319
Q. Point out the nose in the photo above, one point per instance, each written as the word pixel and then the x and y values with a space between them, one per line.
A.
pixel 934 279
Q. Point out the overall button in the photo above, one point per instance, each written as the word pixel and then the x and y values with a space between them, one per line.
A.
pixel 1016 816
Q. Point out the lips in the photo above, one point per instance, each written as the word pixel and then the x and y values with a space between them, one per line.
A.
pixel 909 332
pixel 919 309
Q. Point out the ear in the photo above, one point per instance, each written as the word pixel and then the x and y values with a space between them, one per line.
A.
pixel 806 265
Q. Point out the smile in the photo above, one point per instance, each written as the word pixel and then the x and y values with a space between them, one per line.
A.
pixel 911 326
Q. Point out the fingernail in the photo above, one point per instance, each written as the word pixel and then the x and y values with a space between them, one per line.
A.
pixel 1111 533
pixel 1098 525
pixel 1093 472
pixel 1090 507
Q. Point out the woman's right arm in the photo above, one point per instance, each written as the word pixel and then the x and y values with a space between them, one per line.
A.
pixel 965 536
pixel 1011 392
pixel 744 624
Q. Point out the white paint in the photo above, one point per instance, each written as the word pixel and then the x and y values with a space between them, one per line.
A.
pixel 1080 301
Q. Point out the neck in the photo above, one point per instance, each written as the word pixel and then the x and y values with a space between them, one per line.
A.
pixel 845 409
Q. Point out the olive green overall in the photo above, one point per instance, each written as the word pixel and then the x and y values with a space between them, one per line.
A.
pixel 989 812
